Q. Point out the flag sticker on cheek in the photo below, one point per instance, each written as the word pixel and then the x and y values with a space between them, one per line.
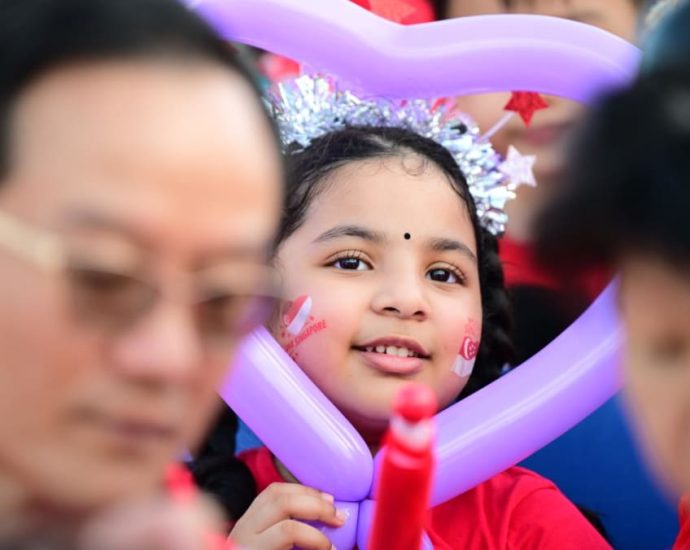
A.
pixel 297 315
pixel 298 325
pixel 464 363
pixel 467 355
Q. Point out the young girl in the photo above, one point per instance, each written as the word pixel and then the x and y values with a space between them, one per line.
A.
pixel 381 232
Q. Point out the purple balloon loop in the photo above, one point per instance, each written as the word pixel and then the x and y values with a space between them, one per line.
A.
pixel 528 408
pixel 465 55
pixel 293 418
pixel 531 406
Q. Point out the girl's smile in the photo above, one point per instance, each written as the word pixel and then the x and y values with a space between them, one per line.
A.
pixel 394 355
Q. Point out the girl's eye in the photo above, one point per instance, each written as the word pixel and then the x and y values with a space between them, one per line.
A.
pixel 445 275
pixel 350 264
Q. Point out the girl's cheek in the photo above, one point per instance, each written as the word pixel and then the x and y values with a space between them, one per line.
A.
pixel 469 347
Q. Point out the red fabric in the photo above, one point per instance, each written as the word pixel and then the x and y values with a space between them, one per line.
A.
pixel 514 509
pixel 406 12
pixel 521 269
pixel 683 540
pixel 180 485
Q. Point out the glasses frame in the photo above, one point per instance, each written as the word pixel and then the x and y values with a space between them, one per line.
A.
pixel 47 251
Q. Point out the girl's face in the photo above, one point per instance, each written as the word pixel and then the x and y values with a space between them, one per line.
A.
pixel 388 258
pixel 655 305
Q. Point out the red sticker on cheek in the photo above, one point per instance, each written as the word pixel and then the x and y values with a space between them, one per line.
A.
pixel 467 354
pixel 298 325
pixel 313 327
pixel 297 315
pixel 469 348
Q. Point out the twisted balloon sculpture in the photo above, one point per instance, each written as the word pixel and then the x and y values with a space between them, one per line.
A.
pixel 526 409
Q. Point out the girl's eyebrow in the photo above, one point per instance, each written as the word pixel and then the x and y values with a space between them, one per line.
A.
pixel 351 231
pixel 451 245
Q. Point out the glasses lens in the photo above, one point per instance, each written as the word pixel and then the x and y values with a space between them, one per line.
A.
pixel 223 318
pixel 108 297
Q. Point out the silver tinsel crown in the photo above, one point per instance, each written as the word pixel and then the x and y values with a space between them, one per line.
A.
pixel 308 107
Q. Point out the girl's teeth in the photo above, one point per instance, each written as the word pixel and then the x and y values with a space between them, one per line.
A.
pixel 391 350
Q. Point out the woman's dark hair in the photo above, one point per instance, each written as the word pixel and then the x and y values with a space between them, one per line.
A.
pixel 308 172
pixel 38 36
pixel 627 189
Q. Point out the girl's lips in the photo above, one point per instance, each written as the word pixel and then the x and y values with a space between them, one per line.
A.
pixel 391 364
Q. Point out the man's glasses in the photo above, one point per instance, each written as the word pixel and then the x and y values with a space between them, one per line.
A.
pixel 116 299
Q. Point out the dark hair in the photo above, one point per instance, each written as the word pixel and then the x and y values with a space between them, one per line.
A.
pixel 37 36
pixel 308 172
pixel 627 186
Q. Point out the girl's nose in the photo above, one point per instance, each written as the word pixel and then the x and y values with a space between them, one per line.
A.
pixel 403 297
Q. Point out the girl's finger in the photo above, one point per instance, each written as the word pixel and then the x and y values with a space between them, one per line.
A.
pixel 283 501
pixel 289 533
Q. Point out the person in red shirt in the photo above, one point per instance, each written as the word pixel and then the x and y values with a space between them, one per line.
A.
pixel 381 232
pixel 514 509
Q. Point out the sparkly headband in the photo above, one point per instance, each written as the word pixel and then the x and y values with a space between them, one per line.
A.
pixel 308 107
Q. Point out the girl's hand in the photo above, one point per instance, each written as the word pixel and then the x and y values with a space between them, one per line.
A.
pixel 271 522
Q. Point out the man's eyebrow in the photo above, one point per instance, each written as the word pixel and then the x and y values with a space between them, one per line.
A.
pixel 451 245
pixel 357 231
pixel 98 219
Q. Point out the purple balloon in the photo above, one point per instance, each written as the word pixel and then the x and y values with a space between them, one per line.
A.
pixel 528 408
pixel 533 405
pixel 554 390
pixel 459 56
pixel 345 536
pixel 366 517
pixel 296 421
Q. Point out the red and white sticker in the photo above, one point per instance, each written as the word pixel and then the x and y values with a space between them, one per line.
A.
pixel 297 315
pixel 464 363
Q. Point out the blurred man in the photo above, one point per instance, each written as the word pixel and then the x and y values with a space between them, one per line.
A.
pixel 140 187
